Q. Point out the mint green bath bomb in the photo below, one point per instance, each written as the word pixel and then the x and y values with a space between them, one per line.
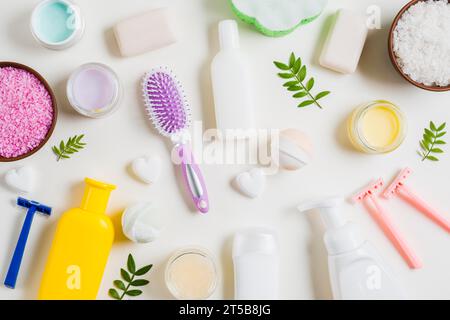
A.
pixel 276 18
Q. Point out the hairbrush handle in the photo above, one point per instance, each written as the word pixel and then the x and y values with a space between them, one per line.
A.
pixel 193 178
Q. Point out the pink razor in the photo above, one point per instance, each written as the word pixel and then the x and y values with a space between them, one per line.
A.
pixel 399 187
pixel 382 218
pixel 166 104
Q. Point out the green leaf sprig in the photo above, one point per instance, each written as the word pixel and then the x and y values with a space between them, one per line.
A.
pixel 129 280
pixel 432 138
pixel 73 145
pixel 296 74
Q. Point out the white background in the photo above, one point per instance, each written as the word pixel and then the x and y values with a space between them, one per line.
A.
pixel 337 169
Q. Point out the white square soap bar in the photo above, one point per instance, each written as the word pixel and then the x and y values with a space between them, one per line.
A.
pixel 345 42
pixel 146 32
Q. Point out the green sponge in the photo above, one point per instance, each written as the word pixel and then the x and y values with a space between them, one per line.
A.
pixel 276 18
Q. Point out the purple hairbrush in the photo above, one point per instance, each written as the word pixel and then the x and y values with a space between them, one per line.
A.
pixel 169 111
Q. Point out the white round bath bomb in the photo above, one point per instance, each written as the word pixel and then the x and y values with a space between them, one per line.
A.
pixel 141 222
pixel 295 150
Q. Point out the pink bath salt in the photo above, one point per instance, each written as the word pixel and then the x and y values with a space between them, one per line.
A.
pixel 26 112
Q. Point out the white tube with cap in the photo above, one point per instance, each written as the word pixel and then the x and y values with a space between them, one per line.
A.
pixel 357 272
pixel 231 82
pixel 256 265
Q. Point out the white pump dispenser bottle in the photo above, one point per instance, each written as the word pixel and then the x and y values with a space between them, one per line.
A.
pixel 356 270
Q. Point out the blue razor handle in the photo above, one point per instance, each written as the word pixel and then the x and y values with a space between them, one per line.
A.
pixel 14 267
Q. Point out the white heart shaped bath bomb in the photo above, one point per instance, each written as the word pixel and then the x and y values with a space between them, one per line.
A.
pixel 147 169
pixel 251 183
pixel 21 179
pixel 142 222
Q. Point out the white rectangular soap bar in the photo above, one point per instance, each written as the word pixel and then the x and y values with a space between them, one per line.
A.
pixel 345 42
pixel 145 32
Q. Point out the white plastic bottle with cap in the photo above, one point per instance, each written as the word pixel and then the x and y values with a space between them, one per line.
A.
pixel 356 270
pixel 256 265
pixel 231 81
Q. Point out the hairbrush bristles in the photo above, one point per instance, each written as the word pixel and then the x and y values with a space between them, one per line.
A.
pixel 165 102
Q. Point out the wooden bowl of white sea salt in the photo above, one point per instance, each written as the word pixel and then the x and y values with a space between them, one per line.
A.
pixel 419 44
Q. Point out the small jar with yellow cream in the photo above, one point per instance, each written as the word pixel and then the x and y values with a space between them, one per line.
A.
pixel 378 127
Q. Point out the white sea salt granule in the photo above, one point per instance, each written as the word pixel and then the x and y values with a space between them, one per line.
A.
pixel 422 42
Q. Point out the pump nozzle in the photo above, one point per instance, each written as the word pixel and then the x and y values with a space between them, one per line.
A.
pixel 329 211
pixel 341 236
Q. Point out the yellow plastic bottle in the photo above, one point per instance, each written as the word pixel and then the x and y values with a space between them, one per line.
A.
pixel 80 248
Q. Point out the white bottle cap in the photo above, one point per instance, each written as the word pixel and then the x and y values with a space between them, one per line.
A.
pixel 329 211
pixel 259 241
pixel 228 34
pixel 341 235
pixel 256 265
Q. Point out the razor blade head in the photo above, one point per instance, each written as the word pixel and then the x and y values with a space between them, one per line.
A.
pixel 398 182
pixel 369 190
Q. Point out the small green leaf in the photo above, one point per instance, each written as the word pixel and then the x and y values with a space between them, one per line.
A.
pixel 286 75
pixel 437 150
pixel 433 126
pixel 143 270
pixel 290 84
pixel 442 127
pixel 131 265
pixel 432 158
pixel 281 65
pixel 310 84
pixel 440 142
pixel 322 95
pixel 306 103
pixel 295 88
pixel 140 283
pixel 114 294
pixel 302 73
pixel 297 66
pixel 56 151
pixel 300 95
pixel 119 285
pixel 133 293
pixel 125 275
pixel 440 135
pixel 292 60
pixel 429 133
pixel 62 146
pixel 427 138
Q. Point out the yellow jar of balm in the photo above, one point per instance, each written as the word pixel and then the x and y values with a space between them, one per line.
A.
pixel 377 127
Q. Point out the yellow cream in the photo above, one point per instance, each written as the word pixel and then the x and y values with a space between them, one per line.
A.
pixel 191 275
pixel 380 126
pixel 377 127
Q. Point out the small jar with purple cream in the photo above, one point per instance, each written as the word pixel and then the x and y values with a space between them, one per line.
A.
pixel 94 90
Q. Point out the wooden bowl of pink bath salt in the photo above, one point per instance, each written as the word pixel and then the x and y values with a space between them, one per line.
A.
pixel 419 44
pixel 28 111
